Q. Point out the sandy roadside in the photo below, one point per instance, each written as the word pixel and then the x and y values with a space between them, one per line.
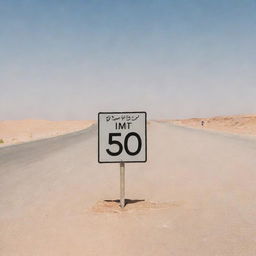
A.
pixel 238 124
pixel 18 131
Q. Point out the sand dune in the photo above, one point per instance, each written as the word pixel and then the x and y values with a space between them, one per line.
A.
pixel 17 131
pixel 238 124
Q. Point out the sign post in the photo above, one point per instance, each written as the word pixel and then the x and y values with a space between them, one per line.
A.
pixel 122 184
pixel 122 138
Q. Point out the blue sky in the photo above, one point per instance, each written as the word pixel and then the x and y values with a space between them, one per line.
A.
pixel 174 59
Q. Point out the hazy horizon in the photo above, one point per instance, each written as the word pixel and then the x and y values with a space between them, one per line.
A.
pixel 174 59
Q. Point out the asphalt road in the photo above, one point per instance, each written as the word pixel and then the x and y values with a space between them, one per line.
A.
pixel 49 190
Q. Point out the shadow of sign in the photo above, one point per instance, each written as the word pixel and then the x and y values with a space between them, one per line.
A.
pixel 127 201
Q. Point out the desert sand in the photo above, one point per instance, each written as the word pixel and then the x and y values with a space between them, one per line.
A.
pixel 237 124
pixel 194 196
pixel 18 131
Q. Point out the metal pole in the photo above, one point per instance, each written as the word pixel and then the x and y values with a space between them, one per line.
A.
pixel 122 185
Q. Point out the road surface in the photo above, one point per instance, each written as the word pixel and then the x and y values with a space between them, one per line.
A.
pixel 196 195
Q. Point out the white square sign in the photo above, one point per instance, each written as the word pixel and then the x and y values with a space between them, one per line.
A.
pixel 122 137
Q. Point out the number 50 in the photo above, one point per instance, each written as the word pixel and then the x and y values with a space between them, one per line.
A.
pixel 111 141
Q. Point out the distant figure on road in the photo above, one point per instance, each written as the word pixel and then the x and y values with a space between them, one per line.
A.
pixel 202 123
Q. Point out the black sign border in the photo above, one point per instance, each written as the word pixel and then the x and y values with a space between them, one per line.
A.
pixel 130 112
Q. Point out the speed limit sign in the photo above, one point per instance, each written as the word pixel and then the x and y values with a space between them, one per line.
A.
pixel 122 137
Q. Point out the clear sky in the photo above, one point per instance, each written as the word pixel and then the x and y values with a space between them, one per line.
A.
pixel 64 59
